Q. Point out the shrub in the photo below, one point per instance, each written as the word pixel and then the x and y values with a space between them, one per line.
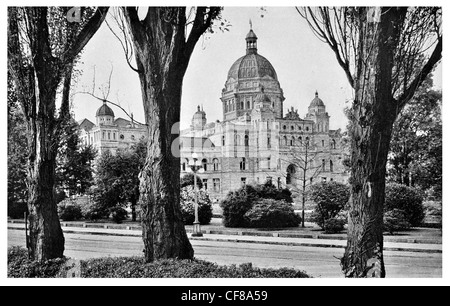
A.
pixel 330 199
pixel 118 214
pixel 334 225
pixel 69 210
pixel 408 199
pixel 136 267
pixel 395 220
pixel 16 210
pixel 238 202
pixel 187 202
pixel 188 180
pixel 270 213
pixel 19 266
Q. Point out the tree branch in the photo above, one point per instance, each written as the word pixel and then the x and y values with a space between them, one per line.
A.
pixel 85 34
pixel 427 68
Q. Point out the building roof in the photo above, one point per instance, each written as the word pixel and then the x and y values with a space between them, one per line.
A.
pixel 252 66
pixel 316 101
pixel 104 110
pixel 85 124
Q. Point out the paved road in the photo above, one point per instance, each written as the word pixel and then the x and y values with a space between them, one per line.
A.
pixel 316 261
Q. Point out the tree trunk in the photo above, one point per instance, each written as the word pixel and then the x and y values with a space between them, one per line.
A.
pixel 46 236
pixel 373 115
pixel 163 228
pixel 133 209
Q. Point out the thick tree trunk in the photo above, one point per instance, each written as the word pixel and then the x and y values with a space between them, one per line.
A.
pixel 163 228
pixel 46 236
pixel 373 115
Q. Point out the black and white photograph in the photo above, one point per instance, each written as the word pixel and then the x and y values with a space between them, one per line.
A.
pixel 245 144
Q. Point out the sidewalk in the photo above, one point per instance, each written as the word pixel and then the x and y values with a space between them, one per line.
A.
pixel 417 240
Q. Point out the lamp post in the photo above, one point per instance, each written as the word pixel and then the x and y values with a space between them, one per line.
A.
pixel 195 166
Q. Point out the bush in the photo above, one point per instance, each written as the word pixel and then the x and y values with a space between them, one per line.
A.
pixel 118 214
pixel 408 199
pixel 16 210
pixel 136 267
pixel 19 266
pixel 330 198
pixel 395 220
pixel 69 210
pixel 334 225
pixel 270 213
pixel 238 202
pixel 188 180
pixel 187 202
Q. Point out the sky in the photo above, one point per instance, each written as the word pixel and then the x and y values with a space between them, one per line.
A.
pixel 303 65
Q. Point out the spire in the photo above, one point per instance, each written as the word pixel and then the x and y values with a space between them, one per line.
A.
pixel 250 21
pixel 198 108
pixel 317 94
pixel 251 39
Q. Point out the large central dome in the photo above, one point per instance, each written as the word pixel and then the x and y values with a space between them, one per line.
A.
pixel 252 66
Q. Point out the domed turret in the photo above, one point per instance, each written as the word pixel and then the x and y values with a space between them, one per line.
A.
pixel 317 101
pixel 244 79
pixel 104 115
pixel 199 119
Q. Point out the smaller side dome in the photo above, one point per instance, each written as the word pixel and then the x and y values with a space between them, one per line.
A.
pixel 316 101
pixel 104 110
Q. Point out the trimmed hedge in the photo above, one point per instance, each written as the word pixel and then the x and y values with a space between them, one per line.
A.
pixel 395 220
pixel 239 202
pixel 331 199
pixel 135 267
pixel 408 199
pixel 270 213
pixel 19 266
pixel 187 203
pixel 69 210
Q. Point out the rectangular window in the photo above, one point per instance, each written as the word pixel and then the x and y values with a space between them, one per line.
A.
pixel 216 185
pixel 205 184
pixel 114 136
pixel 243 181
pixel 109 135
pixel 268 142
pixel 103 135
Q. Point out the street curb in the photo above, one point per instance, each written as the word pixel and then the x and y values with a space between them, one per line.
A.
pixel 315 245
pixel 241 233
pixel 322 245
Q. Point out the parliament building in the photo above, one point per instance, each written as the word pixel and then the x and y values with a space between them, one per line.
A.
pixel 256 141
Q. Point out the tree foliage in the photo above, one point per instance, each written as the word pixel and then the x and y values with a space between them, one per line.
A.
pixel 74 162
pixel 117 178
pixel 330 199
pixel 416 147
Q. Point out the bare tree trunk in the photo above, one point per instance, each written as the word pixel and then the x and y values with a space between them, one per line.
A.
pixel 163 228
pixel 370 146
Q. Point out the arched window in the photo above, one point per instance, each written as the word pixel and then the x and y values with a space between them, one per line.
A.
pixel 284 127
pixel 323 143
pixel 300 140
pixel 307 141
pixel 248 104
pixel 292 141
pixel 246 142
pixel 290 174
pixel 307 128
pixel 216 164
pixel 242 164
pixel 331 166
pixel 285 141
pixel 323 164
pixel 205 164
pixel 223 140
pixel 183 166
pixel 333 144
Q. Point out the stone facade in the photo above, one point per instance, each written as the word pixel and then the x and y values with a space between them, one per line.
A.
pixel 109 133
pixel 256 142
